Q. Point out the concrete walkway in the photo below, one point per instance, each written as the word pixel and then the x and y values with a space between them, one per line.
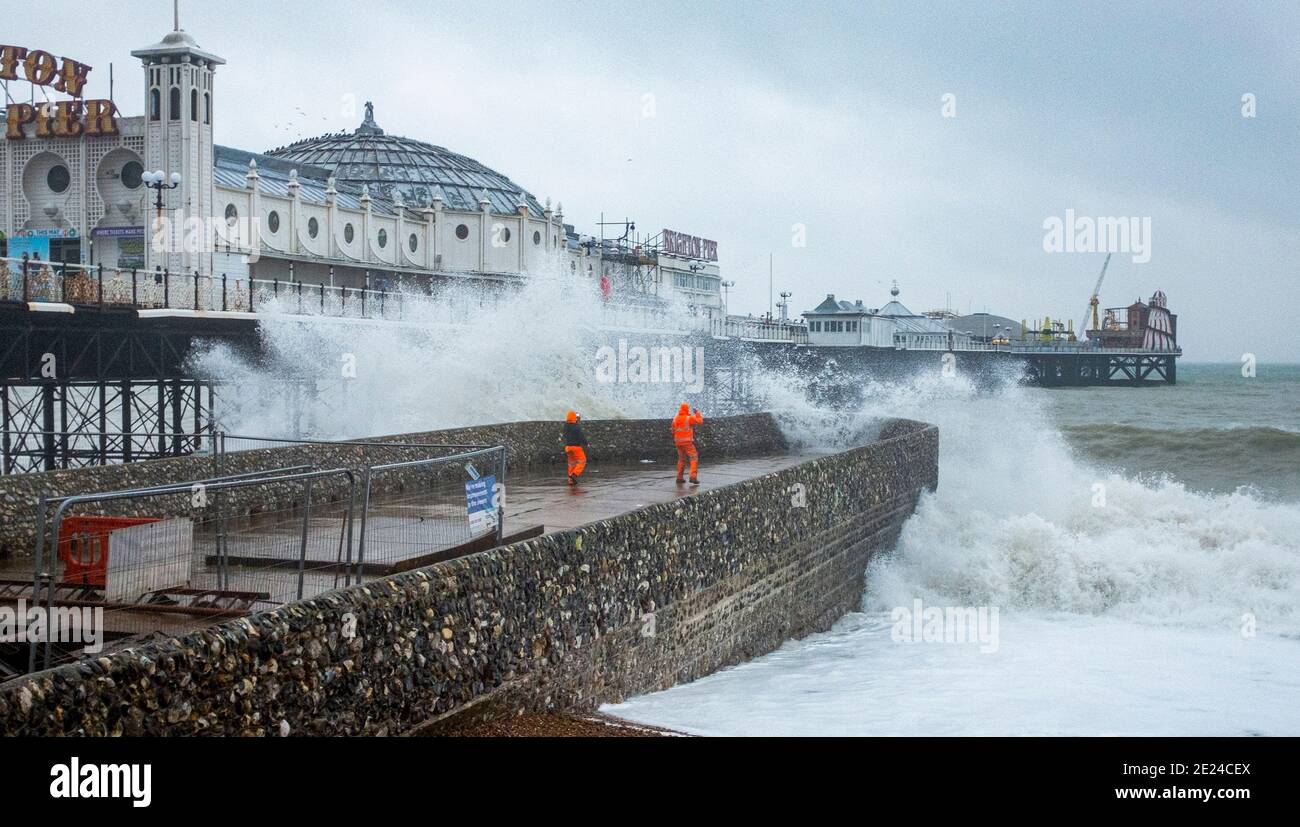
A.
pixel 609 490
pixel 414 524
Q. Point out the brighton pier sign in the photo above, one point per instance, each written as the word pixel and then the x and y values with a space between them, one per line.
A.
pixel 62 119
pixel 688 246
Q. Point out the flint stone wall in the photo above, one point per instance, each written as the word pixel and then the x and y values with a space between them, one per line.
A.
pixel 567 621
pixel 528 445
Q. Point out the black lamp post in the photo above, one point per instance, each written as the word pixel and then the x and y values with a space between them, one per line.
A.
pixel 159 181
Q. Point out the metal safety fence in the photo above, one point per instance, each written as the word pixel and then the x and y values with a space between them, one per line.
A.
pixel 172 558
pixel 168 558
pixel 415 510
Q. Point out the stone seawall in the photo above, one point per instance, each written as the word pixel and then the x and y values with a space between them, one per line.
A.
pixel 528 445
pixel 567 621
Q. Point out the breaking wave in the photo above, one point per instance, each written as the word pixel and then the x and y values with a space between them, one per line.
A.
pixel 1016 521
pixel 463 360
pixel 1024 520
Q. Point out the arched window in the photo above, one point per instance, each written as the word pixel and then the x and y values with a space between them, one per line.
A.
pixel 174 110
pixel 155 105
pixel 194 104
pixel 207 108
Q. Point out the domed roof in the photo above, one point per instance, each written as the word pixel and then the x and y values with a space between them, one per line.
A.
pixel 390 165
pixel 985 325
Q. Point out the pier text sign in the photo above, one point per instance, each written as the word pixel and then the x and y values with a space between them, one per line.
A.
pixel 689 246
pixel 62 119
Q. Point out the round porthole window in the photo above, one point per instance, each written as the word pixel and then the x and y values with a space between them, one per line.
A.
pixel 462 232
pixel 313 227
pixel 537 237
pixel 273 221
pixel 131 175
pixel 348 233
pixel 383 238
pixel 232 215
pixel 58 178
pixel 505 234
pixel 413 242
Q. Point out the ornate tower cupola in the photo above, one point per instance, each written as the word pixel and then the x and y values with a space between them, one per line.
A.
pixel 178 83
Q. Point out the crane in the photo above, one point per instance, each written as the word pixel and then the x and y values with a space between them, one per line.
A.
pixel 1093 300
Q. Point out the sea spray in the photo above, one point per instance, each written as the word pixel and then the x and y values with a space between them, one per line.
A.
pixel 465 356
pixel 1016 521
pixel 1126 606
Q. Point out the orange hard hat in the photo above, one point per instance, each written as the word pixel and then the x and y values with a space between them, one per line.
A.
pixel 684 408
pixel 571 416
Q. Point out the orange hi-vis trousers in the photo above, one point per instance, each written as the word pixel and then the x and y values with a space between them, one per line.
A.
pixel 577 459
pixel 685 451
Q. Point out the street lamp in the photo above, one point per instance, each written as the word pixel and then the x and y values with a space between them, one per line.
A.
pixel 726 305
pixel 159 181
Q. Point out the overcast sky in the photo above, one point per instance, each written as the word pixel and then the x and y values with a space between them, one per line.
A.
pixel 737 122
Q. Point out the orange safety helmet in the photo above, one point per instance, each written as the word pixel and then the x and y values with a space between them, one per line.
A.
pixel 571 416
pixel 684 409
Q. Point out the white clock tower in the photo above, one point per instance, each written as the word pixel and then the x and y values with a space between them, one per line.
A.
pixel 178 82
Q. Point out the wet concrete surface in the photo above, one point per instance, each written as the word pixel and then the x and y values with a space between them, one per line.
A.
pixel 416 523
pixel 607 491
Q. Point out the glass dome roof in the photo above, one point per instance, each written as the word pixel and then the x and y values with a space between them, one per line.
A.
pixel 390 164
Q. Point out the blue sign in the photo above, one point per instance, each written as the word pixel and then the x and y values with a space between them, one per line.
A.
pixel 33 246
pixel 478 501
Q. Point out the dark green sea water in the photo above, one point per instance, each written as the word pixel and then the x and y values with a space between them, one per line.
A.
pixel 1215 431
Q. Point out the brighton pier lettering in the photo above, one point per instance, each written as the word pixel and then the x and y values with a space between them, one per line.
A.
pixel 681 244
pixel 43 69
pixel 64 119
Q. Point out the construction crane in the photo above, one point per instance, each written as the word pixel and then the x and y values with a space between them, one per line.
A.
pixel 1094 300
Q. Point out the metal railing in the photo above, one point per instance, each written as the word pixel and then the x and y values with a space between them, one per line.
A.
pixel 432 507
pixel 170 557
pixel 1089 347
pixel 360 453
pixel 30 280
pixel 942 341
pixel 770 330
pixel 119 557
pixel 298 298
pixel 58 450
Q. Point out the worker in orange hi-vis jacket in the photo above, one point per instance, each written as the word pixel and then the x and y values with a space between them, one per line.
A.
pixel 575 444
pixel 684 439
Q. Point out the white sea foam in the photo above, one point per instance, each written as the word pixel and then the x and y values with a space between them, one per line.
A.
pixel 1130 617
pixel 529 355
pixel 1122 618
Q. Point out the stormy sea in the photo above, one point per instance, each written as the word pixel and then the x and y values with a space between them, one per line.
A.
pixel 1141 548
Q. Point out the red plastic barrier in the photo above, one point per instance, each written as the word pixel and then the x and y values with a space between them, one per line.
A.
pixel 83 546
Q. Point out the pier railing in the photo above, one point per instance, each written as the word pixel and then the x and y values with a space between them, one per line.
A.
pixel 85 285
pixel 35 281
pixel 765 330
pixel 941 341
